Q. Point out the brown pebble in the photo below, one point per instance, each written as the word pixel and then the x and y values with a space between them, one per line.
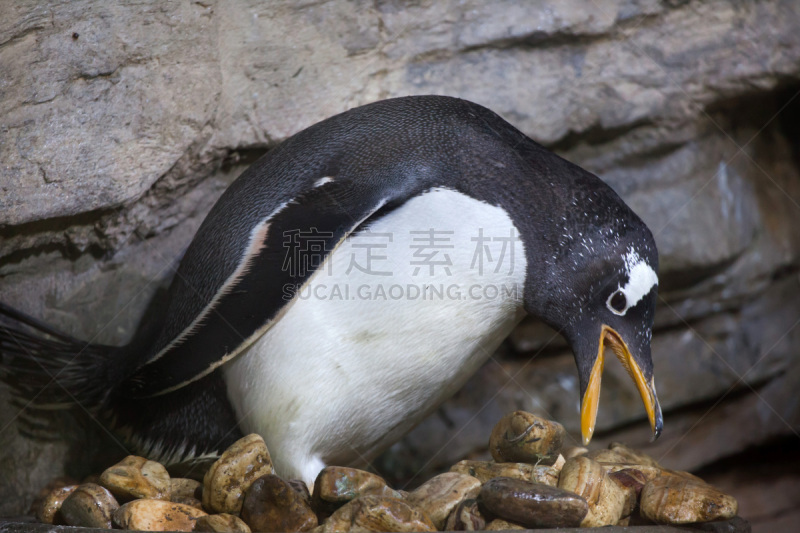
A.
pixel 377 513
pixel 629 478
pixel 157 515
pixel 522 437
pixel 190 501
pixel 226 482
pixel 89 505
pixel 182 488
pixel 337 485
pixel 137 477
pixel 486 470
pixel 649 472
pixel 301 488
pixel 498 524
pixel 675 500
pixel 272 504
pixel 221 523
pixel 438 496
pixel 584 477
pixel 587 478
pixel 466 517
pixel 48 510
pixel 532 504
pixel 546 475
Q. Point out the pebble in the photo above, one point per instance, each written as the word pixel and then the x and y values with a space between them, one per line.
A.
pixel 272 504
pixel 629 477
pixel 614 503
pixel 438 496
pixel 186 491
pixel 337 485
pixel 301 488
pixel 675 500
pixel 649 472
pixel 221 523
pixel 376 513
pixel 532 504
pixel 584 477
pixel 466 517
pixel 523 437
pixel 631 482
pixel 587 478
pixel 48 510
pixel 486 470
pixel 181 487
pixel 498 524
pixel 89 505
pixel 137 477
pixel 226 482
pixel 156 515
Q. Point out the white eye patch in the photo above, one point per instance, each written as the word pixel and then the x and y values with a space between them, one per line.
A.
pixel 641 280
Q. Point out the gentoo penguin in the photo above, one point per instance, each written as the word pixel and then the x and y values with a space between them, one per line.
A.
pixel 351 280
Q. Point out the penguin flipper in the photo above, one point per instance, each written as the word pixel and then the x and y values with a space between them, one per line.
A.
pixel 284 251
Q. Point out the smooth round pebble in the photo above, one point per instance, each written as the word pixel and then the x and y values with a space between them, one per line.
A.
pixel 377 513
pixel 137 477
pixel 523 437
pixel 221 523
pixel 157 515
pixel 337 485
pixel 672 499
pixel 181 487
pixel 272 504
pixel 226 482
pixel 438 496
pixel 532 504
pixel 89 505
pixel 48 510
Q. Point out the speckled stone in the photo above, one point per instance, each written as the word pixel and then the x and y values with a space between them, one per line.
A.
pixel 676 500
pixel 221 523
pixel 438 496
pixel 337 485
pixel 137 477
pixel 272 504
pixel 226 482
pixel 377 513
pixel 157 515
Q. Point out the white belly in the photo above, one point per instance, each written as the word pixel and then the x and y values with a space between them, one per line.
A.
pixel 359 358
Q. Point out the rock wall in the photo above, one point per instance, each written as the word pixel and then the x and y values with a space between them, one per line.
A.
pixel 121 124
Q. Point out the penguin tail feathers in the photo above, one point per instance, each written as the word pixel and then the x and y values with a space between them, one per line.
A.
pixel 48 370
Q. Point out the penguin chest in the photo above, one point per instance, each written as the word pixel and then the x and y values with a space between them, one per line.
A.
pixel 393 323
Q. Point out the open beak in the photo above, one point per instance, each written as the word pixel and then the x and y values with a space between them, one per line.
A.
pixel 592 394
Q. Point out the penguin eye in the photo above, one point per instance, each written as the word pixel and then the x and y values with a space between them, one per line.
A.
pixel 617 303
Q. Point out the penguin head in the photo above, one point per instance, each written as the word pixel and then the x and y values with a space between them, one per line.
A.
pixel 601 293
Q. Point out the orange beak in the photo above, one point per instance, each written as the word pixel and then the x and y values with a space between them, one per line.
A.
pixel 592 395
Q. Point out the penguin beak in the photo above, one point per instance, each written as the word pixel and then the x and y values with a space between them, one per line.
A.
pixel 591 394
